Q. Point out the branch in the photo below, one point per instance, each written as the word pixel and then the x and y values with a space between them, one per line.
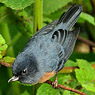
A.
pixel 72 69
pixel 66 88
pixel 6 64
pixel 86 41
pixel 65 70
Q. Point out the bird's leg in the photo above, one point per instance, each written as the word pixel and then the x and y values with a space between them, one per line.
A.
pixel 54 84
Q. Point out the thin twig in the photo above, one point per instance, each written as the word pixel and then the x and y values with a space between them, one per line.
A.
pixel 72 69
pixel 50 82
pixel 6 64
pixel 86 41
pixel 66 88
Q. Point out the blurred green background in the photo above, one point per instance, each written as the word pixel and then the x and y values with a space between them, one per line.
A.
pixel 20 19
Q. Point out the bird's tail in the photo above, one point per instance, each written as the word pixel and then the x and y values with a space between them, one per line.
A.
pixel 70 42
pixel 70 17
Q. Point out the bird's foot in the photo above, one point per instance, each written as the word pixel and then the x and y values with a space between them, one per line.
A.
pixel 55 84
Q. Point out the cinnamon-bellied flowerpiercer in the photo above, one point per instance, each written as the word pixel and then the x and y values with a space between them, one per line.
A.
pixel 47 51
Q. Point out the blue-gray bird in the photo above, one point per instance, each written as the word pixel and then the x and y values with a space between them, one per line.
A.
pixel 47 51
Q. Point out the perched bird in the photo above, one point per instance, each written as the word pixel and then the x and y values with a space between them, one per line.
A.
pixel 47 51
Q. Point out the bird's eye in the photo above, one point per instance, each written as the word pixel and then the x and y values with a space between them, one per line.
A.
pixel 24 71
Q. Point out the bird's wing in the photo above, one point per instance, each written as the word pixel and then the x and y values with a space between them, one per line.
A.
pixel 45 30
pixel 48 28
pixel 66 40
pixel 60 39
pixel 62 34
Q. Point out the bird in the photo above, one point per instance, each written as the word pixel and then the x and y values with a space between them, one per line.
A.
pixel 48 49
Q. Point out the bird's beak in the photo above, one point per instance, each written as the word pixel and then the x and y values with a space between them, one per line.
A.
pixel 14 78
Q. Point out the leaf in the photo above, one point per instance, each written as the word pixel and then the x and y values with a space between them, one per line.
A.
pixel 4 27
pixel 2 41
pixel 25 93
pixel 91 28
pixel 85 74
pixel 17 4
pixel 3 46
pixel 74 83
pixel 70 63
pixel 50 6
pixel 46 89
pixel 66 92
pixel 64 79
pixel 8 59
pixel 47 20
pixel 23 13
pixel 88 6
pixel 56 14
pixel 89 86
pixel 88 18
pixel 87 92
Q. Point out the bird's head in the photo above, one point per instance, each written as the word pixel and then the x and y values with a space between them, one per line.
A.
pixel 24 69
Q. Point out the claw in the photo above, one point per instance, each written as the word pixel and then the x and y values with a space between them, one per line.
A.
pixel 55 84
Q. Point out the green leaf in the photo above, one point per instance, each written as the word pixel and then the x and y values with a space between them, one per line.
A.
pixel 4 30
pixel 64 79
pixel 87 6
pixel 89 86
pixel 70 63
pixel 46 89
pixel 85 74
pixel 74 83
pixel 88 18
pixel 66 92
pixel 17 4
pixel 23 13
pixel 87 92
pixel 8 59
pixel 3 46
pixel 25 93
pixel 50 6
pixel 47 20
pixel 56 14
pixel 2 41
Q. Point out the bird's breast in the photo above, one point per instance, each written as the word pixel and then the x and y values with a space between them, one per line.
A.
pixel 46 76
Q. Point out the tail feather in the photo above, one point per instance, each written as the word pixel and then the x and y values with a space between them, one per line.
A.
pixel 70 43
pixel 70 17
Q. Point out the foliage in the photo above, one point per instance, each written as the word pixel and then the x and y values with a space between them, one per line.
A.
pixel 85 75
pixel 20 19
pixel 48 9
pixel 18 4
pixel 3 46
